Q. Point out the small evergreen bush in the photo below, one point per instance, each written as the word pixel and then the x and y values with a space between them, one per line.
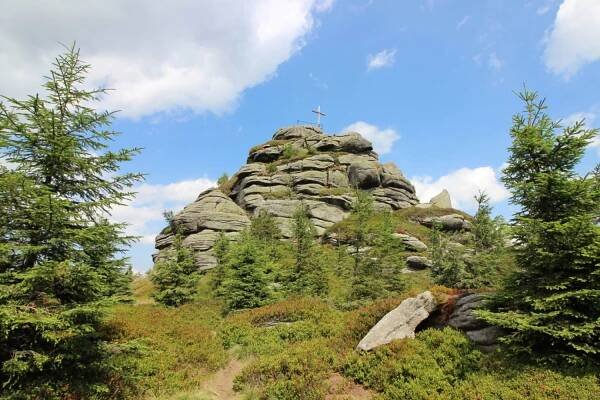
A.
pixel 175 277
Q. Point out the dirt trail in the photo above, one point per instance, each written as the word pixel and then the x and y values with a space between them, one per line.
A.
pixel 220 385
pixel 341 388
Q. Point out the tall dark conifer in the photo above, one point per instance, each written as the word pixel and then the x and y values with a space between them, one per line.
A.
pixel 59 255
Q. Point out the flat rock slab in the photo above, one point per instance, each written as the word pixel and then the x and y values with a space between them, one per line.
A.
pixel 418 262
pixel 400 323
pixel 410 242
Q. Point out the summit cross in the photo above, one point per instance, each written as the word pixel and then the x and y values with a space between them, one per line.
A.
pixel 319 114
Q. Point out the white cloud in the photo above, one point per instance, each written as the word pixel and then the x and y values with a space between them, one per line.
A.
pixel 382 139
pixel 144 214
pixel 462 185
pixel 543 9
pixel 385 58
pixel 495 62
pixel 463 21
pixel 575 37
pixel 596 145
pixel 590 118
pixel 324 5
pixel 185 55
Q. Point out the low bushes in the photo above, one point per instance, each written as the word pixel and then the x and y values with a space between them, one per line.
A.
pixel 181 346
pixel 425 368
pixel 298 373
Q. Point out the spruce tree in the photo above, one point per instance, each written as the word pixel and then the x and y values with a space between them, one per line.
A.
pixel 245 284
pixel 175 277
pixel 487 231
pixel 362 211
pixel 308 276
pixel 387 258
pixel 469 268
pixel 551 306
pixel 365 284
pixel 60 257
pixel 220 251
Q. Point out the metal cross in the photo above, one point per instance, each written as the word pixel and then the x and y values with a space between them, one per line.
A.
pixel 319 114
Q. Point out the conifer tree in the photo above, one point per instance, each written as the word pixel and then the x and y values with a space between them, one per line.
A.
pixel 308 276
pixel 59 255
pixel 264 227
pixel 487 231
pixel 176 276
pixel 386 255
pixel 551 306
pixel 220 250
pixel 245 284
pixel 362 211
pixel 365 284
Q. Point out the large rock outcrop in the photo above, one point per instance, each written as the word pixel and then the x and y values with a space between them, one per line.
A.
pixel 400 323
pixel 300 165
pixel 200 224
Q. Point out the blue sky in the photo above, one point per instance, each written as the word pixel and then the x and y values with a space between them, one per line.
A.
pixel 429 81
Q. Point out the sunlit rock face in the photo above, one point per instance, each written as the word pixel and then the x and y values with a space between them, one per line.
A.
pixel 301 165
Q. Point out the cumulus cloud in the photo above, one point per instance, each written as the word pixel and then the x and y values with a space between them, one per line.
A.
pixel 495 62
pixel 596 145
pixel 382 139
pixel 185 55
pixel 587 116
pixel 144 214
pixel 462 185
pixel 463 21
pixel 575 37
pixel 385 58
pixel 590 118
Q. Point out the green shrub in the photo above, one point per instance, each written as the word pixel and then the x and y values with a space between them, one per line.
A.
pixel 180 347
pixel 245 283
pixel 175 276
pixel 462 267
pixel 299 373
pixel 513 382
pixel 222 179
pixel 271 168
pixel 425 368
pixel 308 276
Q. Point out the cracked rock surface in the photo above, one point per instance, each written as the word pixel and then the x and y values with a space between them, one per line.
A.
pixel 299 165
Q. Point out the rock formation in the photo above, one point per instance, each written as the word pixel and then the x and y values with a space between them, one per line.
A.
pixel 481 333
pixel 300 165
pixel 418 262
pixel 400 323
pixel 440 200
pixel 423 311
pixel 450 222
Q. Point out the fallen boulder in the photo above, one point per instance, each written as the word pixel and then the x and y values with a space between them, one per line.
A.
pixel 400 323
pixel 418 262
pixel 411 243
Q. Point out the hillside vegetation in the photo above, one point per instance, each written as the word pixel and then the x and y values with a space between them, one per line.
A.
pixel 270 298
pixel 300 347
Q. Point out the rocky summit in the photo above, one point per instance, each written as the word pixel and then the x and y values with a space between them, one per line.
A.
pixel 300 165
